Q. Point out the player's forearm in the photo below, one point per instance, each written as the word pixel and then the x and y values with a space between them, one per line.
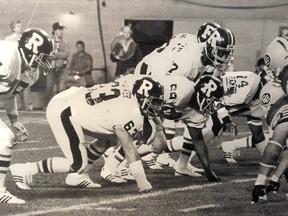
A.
pixel 11 109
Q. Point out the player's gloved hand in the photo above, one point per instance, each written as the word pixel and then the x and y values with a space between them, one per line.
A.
pixel 272 186
pixel 212 177
pixel 20 131
pixel 259 192
pixel 144 186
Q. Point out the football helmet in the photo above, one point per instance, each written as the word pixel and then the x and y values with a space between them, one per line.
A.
pixel 276 57
pixel 36 48
pixel 220 47
pixel 209 93
pixel 205 31
pixel 150 96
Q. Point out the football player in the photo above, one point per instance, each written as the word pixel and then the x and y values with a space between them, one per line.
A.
pixel 191 105
pixel 19 67
pixel 191 59
pixel 276 60
pixel 241 98
pixel 95 112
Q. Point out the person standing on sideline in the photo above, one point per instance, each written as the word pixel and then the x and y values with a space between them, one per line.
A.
pixel 79 70
pixel 125 52
pixel 24 98
pixel 59 63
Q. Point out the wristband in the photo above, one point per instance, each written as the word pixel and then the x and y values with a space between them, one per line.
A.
pixel 12 118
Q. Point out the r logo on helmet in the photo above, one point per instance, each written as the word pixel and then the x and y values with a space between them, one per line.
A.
pixel 34 42
pixel 214 38
pixel 145 87
pixel 209 87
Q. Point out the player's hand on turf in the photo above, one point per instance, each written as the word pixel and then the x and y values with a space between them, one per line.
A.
pixel 259 192
pixel 144 187
pixel 20 131
pixel 231 127
pixel 272 186
pixel 212 177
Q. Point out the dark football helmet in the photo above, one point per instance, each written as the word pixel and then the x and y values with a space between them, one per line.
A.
pixel 36 48
pixel 220 48
pixel 150 95
pixel 209 93
pixel 205 31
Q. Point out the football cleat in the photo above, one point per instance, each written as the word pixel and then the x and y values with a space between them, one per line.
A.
pixel 80 180
pixel 259 192
pixel 193 168
pixel 21 176
pixel 125 173
pixel 164 159
pixel 149 160
pixel 228 150
pixel 6 197
pixel 272 186
pixel 108 175
pixel 184 171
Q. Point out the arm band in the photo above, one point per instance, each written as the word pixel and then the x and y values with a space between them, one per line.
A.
pixel 12 118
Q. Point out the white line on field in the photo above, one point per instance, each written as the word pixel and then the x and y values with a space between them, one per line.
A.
pixel 197 208
pixel 36 149
pixel 121 199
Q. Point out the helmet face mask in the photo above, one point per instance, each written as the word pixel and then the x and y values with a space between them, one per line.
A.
pixel 151 106
pixel 150 96
pixel 35 46
pixel 209 93
pixel 220 48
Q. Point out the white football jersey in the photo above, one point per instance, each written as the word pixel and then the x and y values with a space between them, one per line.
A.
pixel 10 68
pixel 240 87
pixel 102 107
pixel 270 93
pixel 182 60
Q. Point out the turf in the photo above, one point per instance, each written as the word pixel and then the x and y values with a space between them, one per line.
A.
pixel 171 195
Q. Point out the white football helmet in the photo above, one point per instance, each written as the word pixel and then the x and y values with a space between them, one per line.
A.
pixel 276 57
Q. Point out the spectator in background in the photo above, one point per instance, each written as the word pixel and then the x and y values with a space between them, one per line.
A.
pixel 25 97
pixel 125 52
pixel 59 63
pixel 79 71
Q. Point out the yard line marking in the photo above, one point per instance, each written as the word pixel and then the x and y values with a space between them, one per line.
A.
pixel 121 199
pixel 197 208
pixel 36 149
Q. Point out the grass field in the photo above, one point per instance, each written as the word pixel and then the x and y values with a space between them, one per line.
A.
pixel 171 196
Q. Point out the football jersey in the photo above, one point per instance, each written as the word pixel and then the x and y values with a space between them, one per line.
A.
pixel 182 60
pixel 270 93
pixel 10 68
pixel 101 108
pixel 240 87
pixel 278 112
